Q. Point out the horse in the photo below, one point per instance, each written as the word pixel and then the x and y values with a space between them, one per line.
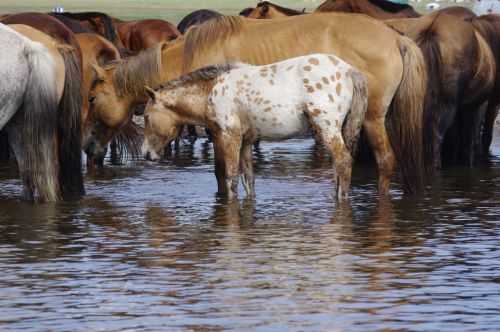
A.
pixel 398 84
pixel 461 71
pixel 195 18
pixel 242 103
pixel 98 51
pixel 489 28
pixel 35 112
pixel 269 10
pixel 380 9
pixel 143 34
pixel 74 25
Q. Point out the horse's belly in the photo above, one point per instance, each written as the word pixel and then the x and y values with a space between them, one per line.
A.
pixel 277 126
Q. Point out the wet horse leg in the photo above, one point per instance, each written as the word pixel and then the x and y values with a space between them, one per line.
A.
pixel 384 155
pixel 4 146
pixel 227 148
pixel 246 168
pixel 488 127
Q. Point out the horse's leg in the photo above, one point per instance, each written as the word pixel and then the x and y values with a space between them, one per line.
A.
pixel 4 146
pixel 192 134
pixel 330 134
pixel 16 143
pixel 227 154
pixel 246 166
pixel 488 128
pixel 376 133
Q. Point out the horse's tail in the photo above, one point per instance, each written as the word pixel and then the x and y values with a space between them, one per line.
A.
pixel 406 116
pixel 353 122
pixel 434 101
pixel 40 124
pixel 69 127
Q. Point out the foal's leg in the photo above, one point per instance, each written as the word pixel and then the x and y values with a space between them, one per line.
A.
pixel 227 148
pixel 246 167
pixel 328 129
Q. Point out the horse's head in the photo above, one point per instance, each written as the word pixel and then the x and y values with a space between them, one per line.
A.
pixel 268 10
pixel 108 113
pixel 160 126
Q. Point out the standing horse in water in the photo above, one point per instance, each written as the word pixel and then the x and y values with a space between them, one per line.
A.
pixel 242 104
pixel 29 111
pixel 399 84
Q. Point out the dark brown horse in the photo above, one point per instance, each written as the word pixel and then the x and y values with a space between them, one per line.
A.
pixel 380 9
pixel 195 18
pixel 269 10
pixel 140 35
pixel 489 27
pixel 100 23
pixel 461 71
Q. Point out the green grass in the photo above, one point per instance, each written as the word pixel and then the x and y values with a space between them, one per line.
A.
pixel 171 10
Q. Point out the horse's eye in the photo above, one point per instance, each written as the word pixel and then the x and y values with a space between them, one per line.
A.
pixel 91 99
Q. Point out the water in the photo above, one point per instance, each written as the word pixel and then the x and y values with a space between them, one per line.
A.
pixel 151 248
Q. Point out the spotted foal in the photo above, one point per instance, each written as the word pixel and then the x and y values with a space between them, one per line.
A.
pixel 241 104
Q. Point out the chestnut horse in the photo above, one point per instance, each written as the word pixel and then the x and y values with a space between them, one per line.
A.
pixel 269 10
pixel 70 105
pixel 98 51
pixel 66 117
pixel 396 77
pixel 380 9
pixel 140 35
pixel 461 71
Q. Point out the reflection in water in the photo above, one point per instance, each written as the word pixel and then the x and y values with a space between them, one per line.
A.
pixel 153 248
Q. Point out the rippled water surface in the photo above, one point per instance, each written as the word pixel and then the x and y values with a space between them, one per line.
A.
pixel 152 248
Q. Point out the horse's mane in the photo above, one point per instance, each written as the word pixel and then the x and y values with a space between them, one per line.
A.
pixel 196 17
pixel 70 23
pixel 284 10
pixel 109 29
pixel 204 74
pixel 389 6
pixel 134 73
pixel 210 34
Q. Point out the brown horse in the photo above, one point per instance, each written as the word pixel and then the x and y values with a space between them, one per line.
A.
pixel 489 27
pixel 380 9
pixel 269 10
pixel 68 126
pixel 140 35
pixel 396 77
pixel 98 51
pixel 461 72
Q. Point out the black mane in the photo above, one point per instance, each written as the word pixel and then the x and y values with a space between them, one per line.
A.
pixel 390 6
pixel 284 10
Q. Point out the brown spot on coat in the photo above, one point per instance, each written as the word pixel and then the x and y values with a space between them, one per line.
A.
pixel 316 112
pixel 319 86
pixel 289 68
pixel 273 68
pixel 333 60
pixel 305 80
pixel 307 68
pixel 338 88
pixel 309 88
pixel 313 61
pixel 325 80
pixel 271 82
pixel 328 123
pixel 268 109
pixel 338 75
pixel 331 98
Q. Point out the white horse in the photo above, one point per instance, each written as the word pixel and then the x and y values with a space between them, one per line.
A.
pixel 29 111
pixel 241 103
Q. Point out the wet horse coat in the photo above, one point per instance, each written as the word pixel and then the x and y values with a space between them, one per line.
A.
pixel 243 103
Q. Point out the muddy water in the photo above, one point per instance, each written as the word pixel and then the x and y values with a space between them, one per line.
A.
pixel 151 248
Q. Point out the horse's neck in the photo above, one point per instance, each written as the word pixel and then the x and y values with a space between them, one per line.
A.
pixel 192 101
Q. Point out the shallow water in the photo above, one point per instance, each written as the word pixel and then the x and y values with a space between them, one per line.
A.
pixel 152 248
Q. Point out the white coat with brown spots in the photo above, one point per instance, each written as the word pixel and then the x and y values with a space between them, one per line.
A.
pixel 287 99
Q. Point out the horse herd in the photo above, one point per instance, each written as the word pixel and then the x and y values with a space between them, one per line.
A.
pixel 420 91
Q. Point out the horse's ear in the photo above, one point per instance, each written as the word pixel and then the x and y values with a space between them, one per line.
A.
pixel 264 9
pixel 99 72
pixel 151 93
pixel 303 10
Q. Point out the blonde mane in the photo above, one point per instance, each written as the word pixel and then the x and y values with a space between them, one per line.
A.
pixel 134 73
pixel 209 35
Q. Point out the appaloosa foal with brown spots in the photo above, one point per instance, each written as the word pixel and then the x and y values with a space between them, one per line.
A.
pixel 241 103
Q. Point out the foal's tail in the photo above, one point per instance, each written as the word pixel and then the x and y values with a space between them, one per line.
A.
pixel 353 122
pixel 405 119
pixel 69 127
pixel 40 125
